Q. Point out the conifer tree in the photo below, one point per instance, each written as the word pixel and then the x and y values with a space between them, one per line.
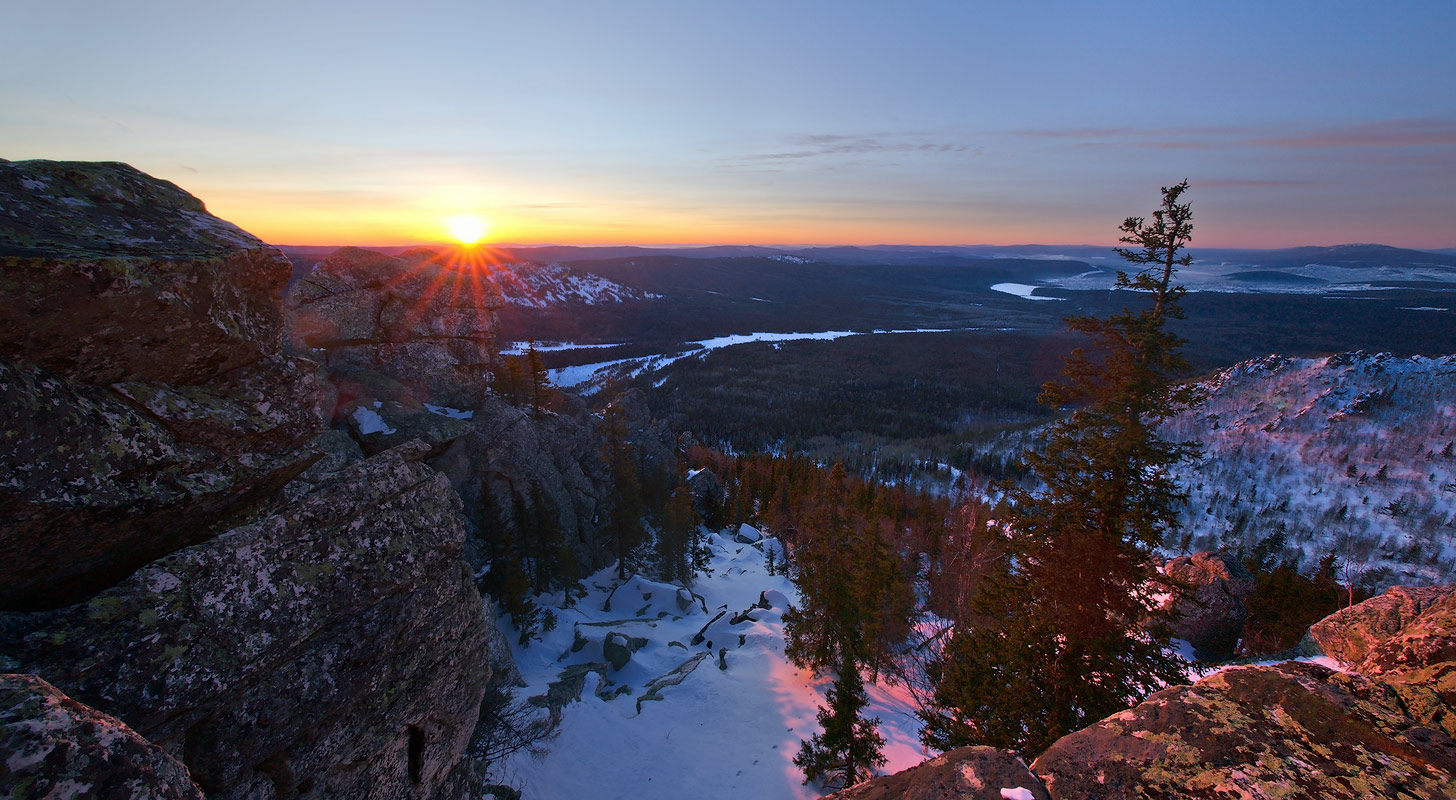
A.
pixel 850 584
pixel 848 751
pixel 677 536
pixel 1058 643
pixel 538 385
pixel 624 525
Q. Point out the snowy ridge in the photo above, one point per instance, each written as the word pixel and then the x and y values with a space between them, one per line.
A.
pixel 1353 454
pixel 548 285
pixel 676 721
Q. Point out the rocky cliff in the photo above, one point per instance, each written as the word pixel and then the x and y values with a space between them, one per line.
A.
pixel 184 548
pixel 424 319
pixel 1386 728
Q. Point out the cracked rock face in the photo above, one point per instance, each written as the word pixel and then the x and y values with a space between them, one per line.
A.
pixel 54 746
pixel 422 319
pixel 337 646
pixel 144 401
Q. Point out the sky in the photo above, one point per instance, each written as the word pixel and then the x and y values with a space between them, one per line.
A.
pixel 786 122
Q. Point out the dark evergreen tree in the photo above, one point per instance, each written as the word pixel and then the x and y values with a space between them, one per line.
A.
pixel 677 535
pixel 537 384
pixel 1058 642
pixel 624 530
pixel 850 587
pixel 848 751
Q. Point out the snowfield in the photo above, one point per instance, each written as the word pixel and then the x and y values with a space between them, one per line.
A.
pixel 728 729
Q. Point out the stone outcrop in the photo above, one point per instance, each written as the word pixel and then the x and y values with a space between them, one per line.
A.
pixel 1209 607
pixel 507 451
pixel 426 320
pixel 182 545
pixel 144 396
pixel 54 746
pixel 1351 634
pixel 967 773
pixel 337 646
pixel 1291 730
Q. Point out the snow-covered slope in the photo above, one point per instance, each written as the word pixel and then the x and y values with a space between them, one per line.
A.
pixel 548 285
pixel 1353 454
pixel 727 729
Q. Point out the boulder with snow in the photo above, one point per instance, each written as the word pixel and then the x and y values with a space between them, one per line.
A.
pixel 1210 611
pixel 618 647
pixel 747 534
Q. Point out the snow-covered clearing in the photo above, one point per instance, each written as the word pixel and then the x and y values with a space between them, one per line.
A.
pixel 719 733
pixel 582 374
pixel 1022 290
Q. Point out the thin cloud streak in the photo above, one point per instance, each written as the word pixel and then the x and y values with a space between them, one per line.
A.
pixel 1393 133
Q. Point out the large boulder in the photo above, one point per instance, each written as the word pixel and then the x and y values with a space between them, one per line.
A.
pixel 424 319
pixel 1351 634
pixel 144 399
pixel 967 773
pixel 1208 603
pixel 336 647
pixel 54 746
pixel 1291 730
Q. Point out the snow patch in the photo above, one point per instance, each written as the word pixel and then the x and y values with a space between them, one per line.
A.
pixel 446 411
pixel 370 421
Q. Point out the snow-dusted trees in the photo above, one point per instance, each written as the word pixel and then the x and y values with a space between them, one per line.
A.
pixel 1058 642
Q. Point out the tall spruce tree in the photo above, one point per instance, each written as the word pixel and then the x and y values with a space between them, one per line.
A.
pixel 1062 634
pixel 850 584
pixel 849 749
pixel 624 524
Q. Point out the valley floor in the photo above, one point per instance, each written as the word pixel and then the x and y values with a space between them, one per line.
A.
pixel 720 733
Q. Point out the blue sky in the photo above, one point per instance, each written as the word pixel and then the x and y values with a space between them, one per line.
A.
pixel 786 122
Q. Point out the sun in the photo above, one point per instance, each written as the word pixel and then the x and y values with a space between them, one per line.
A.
pixel 466 228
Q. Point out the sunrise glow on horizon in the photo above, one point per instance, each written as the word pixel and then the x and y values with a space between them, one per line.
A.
pixel 648 123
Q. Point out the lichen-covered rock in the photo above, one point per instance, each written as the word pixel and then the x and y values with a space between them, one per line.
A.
pixel 108 274
pixel 144 400
pixel 95 482
pixel 336 647
pixel 1294 730
pixel 53 746
pixel 421 319
pixel 1350 634
pixel 1423 651
pixel 1210 612
pixel 967 773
